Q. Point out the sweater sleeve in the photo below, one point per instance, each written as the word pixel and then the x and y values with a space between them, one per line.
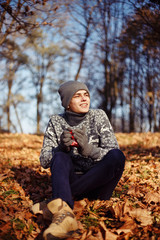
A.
pixel 107 139
pixel 50 146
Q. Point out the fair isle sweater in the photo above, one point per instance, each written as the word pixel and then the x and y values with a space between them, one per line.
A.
pixel 98 130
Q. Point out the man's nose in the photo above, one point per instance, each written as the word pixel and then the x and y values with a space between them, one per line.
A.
pixel 83 98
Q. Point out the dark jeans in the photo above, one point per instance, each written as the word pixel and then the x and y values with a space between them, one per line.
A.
pixel 98 183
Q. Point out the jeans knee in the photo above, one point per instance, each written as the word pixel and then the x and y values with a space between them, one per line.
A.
pixel 60 159
pixel 117 157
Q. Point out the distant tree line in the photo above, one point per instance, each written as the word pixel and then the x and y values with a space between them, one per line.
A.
pixel 113 46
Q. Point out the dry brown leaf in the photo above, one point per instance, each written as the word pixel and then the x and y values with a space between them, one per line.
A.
pixel 4 175
pixel 129 223
pixel 102 224
pixel 79 208
pixel 127 206
pixel 98 235
pixel 108 235
pixel 4 228
pixel 93 238
pixel 89 234
pixel 80 225
pixel 135 191
pixel 152 197
pixel 120 231
pixel 142 215
pixel 83 237
pixel 118 209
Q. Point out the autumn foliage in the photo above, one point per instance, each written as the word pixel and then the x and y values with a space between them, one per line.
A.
pixel 132 213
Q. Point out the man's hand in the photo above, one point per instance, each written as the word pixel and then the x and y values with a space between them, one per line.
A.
pixel 81 138
pixel 86 149
pixel 66 141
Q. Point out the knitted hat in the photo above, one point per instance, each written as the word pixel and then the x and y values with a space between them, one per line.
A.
pixel 68 89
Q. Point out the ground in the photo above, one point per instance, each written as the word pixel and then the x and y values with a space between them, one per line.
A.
pixel 133 212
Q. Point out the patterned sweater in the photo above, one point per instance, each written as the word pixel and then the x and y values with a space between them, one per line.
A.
pixel 98 130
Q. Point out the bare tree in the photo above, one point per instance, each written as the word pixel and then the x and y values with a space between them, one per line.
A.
pixel 14 59
pixel 107 32
pixel 41 67
pixel 16 16
pixel 81 14
pixel 141 54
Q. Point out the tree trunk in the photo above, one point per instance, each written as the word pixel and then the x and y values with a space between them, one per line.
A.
pixel 82 52
pixel 131 110
pixel 39 101
pixel 10 83
pixel 18 119
pixel 150 94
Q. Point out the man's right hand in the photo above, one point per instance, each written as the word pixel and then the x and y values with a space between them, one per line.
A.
pixel 66 141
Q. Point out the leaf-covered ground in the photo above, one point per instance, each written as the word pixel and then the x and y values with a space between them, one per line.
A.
pixel 132 213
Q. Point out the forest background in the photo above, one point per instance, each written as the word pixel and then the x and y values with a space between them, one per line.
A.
pixel 113 46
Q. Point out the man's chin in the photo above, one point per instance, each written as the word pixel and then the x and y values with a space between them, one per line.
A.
pixel 84 110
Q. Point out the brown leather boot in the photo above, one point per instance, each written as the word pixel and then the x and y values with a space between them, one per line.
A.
pixel 64 223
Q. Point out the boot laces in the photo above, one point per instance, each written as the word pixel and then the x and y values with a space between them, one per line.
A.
pixel 59 217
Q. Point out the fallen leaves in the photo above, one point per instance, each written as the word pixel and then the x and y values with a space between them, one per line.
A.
pixel 152 197
pixel 133 212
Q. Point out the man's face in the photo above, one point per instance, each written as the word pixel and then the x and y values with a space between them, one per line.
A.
pixel 80 102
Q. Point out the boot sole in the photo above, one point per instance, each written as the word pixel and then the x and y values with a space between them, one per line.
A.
pixel 69 234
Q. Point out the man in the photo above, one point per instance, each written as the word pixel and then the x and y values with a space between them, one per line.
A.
pixel 82 152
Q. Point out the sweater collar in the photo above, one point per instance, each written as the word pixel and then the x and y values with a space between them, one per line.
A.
pixel 74 118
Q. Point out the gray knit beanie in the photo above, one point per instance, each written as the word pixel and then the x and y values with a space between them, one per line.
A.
pixel 68 89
